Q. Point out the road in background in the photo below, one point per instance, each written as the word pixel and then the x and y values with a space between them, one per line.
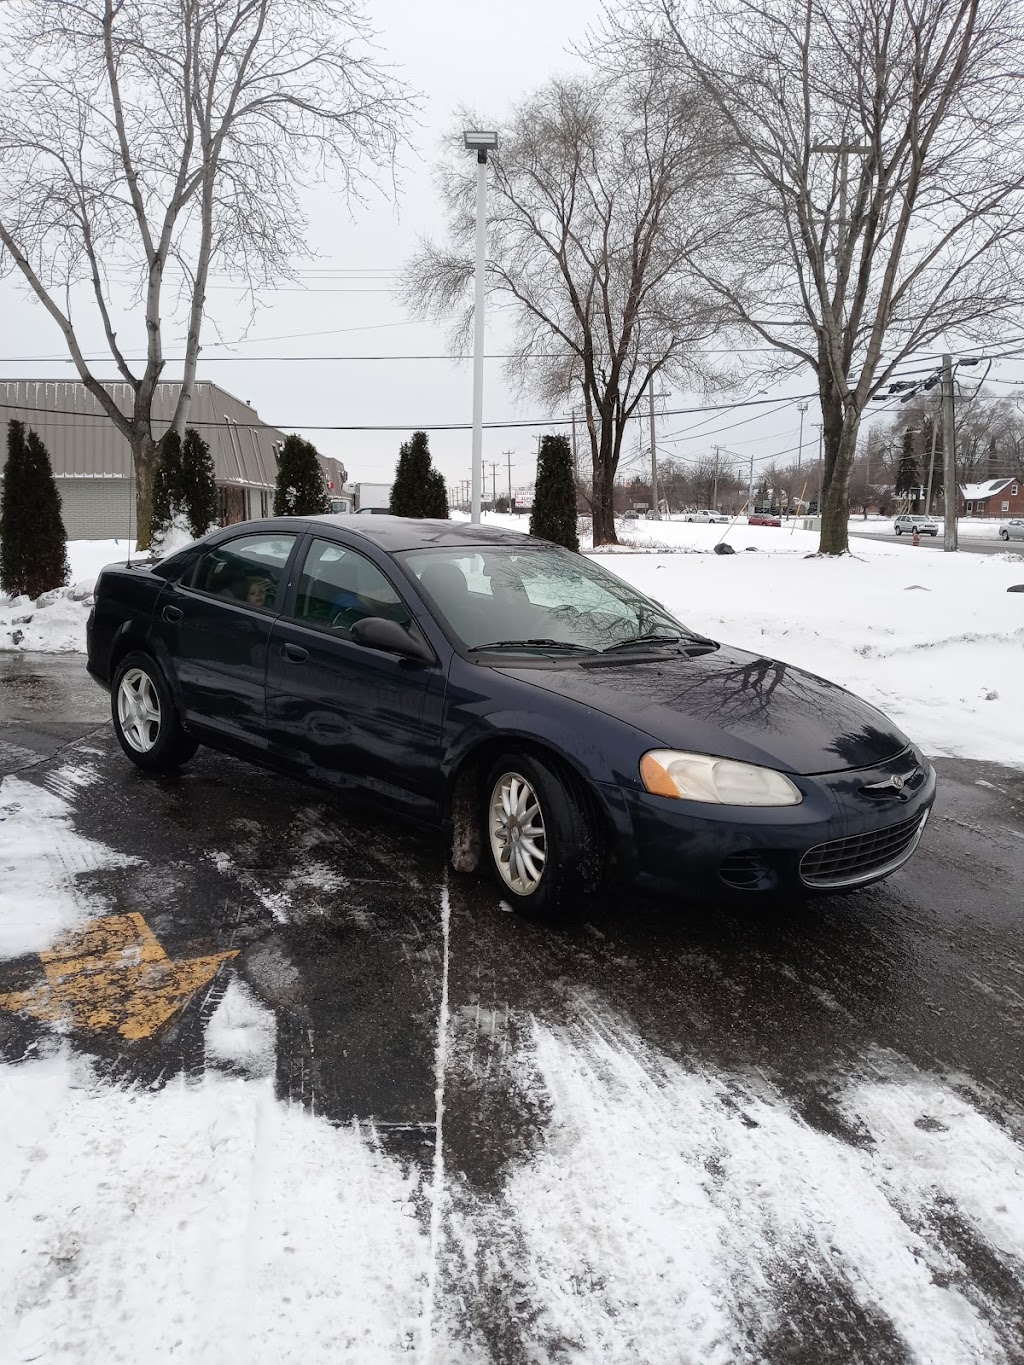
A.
pixel 969 545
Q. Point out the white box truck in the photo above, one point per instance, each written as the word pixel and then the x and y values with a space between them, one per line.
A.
pixel 373 497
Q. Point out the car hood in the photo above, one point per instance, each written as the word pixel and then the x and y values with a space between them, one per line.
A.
pixel 733 704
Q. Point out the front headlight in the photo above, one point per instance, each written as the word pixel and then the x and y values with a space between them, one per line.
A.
pixel 718 781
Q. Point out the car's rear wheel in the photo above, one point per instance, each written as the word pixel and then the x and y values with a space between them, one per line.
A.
pixel 541 840
pixel 145 721
pixel 1004 535
pixel 899 530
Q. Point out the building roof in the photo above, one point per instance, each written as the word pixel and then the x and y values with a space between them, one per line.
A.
pixel 978 492
pixel 84 443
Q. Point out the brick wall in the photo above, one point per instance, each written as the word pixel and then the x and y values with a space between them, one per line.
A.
pixel 96 509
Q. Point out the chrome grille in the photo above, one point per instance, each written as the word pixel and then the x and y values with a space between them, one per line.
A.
pixel 845 862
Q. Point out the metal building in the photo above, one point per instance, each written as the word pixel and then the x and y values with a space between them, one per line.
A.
pixel 92 461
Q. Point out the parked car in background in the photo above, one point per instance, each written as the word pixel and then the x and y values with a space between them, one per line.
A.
pixel 909 523
pixel 503 688
pixel 763 519
pixel 705 514
pixel 1013 530
pixel 631 515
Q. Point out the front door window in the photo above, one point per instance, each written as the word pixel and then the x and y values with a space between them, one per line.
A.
pixel 338 587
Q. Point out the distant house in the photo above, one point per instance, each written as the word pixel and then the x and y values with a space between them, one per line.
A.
pixel 994 498
pixel 92 460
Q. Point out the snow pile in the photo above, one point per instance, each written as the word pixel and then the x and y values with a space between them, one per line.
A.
pixel 55 622
pixel 175 538
pixel 241 1034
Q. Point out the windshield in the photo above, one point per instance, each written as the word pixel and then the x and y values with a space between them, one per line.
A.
pixel 536 600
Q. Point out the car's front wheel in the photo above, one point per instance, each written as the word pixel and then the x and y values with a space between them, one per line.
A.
pixel 145 721
pixel 542 843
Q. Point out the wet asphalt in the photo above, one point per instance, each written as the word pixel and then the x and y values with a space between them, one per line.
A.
pixel 929 965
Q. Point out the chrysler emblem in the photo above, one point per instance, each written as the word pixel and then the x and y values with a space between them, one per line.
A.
pixel 891 784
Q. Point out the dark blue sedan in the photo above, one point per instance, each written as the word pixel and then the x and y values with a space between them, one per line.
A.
pixel 562 727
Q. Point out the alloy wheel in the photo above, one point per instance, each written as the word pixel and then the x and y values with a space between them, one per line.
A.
pixel 138 710
pixel 518 835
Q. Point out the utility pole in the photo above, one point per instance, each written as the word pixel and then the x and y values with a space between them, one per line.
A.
pixel 494 482
pixel 714 497
pixel 655 509
pixel 950 491
pixel 508 456
pixel 750 489
pixel 801 409
pixel 931 464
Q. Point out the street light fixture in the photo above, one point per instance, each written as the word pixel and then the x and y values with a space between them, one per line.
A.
pixel 480 141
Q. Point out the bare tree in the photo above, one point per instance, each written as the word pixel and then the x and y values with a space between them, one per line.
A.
pixel 878 187
pixel 599 195
pixel 140 135
pixel 989 435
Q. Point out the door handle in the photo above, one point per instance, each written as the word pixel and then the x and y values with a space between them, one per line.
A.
pixel 172 614
pixel 295 653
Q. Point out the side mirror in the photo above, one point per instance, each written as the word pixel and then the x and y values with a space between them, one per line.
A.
pixel 378 632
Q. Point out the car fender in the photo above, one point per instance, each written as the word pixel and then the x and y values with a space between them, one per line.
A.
pixel 609 763
pixel 590 763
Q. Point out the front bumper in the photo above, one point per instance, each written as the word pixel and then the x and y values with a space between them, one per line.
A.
pixel 848 832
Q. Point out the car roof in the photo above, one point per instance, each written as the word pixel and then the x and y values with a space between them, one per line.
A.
pixel 393 534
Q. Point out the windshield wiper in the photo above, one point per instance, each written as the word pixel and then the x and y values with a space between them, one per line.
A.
pixel 530 644
pixel 650 638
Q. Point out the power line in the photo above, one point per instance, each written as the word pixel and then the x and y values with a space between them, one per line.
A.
pixel 403 426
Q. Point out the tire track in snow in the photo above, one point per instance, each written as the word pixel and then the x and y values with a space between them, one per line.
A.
pixel 676 1214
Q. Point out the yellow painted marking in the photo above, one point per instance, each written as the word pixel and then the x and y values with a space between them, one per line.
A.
pixel 113 976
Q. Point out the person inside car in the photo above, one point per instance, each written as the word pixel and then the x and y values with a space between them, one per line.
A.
pixel 257 592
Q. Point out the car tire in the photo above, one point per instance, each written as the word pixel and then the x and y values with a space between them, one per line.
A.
pixel 559 885
pixel 899 530
pixel 1004 535
pixel 145 720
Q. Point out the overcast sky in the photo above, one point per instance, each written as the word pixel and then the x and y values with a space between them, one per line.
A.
pixel 344 305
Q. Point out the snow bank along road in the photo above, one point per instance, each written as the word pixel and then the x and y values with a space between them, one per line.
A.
pixel 273 1088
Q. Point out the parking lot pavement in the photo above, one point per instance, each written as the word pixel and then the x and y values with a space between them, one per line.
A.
pixel 277 1087
pixel 46 701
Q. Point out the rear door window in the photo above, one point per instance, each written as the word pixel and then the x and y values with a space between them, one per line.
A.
pixel 248 570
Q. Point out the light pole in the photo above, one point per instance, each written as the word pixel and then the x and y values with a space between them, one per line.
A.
pixel 481 142
pixel 801 409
